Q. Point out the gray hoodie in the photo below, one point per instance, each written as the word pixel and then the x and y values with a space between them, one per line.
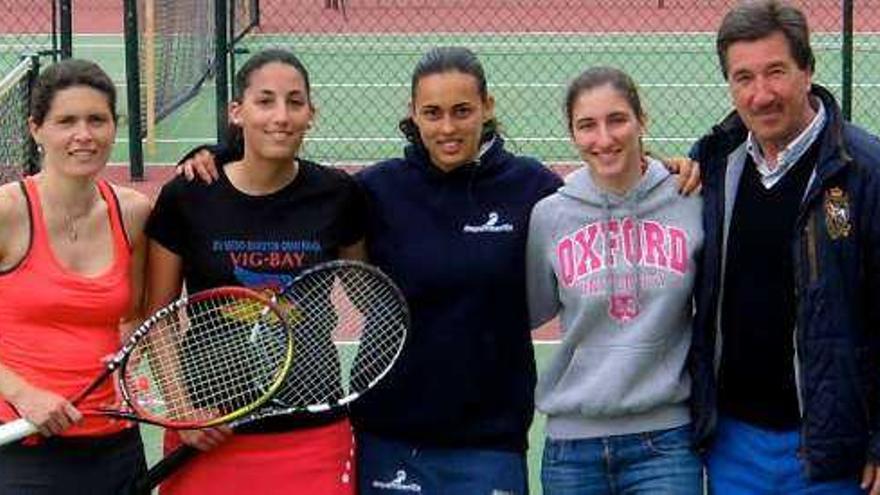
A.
pixel 619 271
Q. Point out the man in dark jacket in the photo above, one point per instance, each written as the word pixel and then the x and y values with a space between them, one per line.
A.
pixel 787 331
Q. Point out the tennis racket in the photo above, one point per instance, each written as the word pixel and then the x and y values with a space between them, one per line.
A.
pixel 202 360
pixel 349 323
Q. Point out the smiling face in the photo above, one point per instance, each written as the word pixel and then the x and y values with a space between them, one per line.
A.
pixel 274 112
pixel 606 132
pixel 769 90
pixel 449 112
pixel 77 132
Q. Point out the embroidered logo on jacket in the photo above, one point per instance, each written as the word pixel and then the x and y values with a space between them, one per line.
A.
pixel 837 218
pixel 398 484
pixel 491 225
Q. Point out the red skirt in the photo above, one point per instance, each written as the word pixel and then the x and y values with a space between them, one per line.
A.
pixel 310 461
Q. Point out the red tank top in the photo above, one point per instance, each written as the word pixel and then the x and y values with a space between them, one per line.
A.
pixel 57 325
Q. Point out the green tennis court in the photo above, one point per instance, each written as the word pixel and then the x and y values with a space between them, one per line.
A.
pixel 358 114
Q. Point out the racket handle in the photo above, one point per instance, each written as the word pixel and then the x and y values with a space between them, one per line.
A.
pixel 16 430
pixel 163 469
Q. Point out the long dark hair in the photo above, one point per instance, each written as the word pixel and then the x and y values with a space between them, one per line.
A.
pixel 234 136
pixel 440 60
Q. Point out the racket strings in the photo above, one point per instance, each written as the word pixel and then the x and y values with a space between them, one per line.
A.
pixel 210 358
pixel 348 327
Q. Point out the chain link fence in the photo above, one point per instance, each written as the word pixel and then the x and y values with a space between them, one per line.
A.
pixel 18 152
pixel 29 36
pixel 360 54
pixel 30 27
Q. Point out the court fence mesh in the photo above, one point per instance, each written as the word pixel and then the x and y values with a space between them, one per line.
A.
pixel 32 33
pixel 18 152
pixel 360 54
pixel 32 27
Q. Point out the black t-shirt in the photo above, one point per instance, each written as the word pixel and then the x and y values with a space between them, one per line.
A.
pixel 227 237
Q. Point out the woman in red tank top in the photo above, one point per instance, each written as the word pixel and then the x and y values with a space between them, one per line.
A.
pixel 71 270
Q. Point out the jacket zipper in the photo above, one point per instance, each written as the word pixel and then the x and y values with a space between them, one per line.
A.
pixel 808 250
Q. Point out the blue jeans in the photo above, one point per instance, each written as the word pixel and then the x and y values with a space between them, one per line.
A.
pixel 658 462
pixel 391 467
pixel 748 460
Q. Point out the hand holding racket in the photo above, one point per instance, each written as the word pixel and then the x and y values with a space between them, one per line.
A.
pixel 349 323
pixel 50 412
pixel 202 360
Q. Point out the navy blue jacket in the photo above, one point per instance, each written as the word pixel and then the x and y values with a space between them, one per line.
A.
pixel 455 243
pixel 837 287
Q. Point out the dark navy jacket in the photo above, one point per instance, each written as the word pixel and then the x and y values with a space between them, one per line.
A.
pixel 455 243
pixel 837 286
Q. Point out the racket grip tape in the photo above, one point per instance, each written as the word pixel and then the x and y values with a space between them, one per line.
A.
pixel 163 469
pixel 16 430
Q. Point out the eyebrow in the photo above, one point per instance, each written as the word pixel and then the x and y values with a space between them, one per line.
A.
pixel 270 92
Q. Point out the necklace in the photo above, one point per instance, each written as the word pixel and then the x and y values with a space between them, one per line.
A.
pixel 70 226
pixel 70 216
pixel 70 221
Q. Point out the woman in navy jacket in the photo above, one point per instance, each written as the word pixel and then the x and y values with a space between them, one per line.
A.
pixel 448 223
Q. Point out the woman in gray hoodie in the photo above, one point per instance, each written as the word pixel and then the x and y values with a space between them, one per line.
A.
pixel 612 252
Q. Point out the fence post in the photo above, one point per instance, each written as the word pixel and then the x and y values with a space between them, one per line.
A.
pixel 133 75
pixel 846 78
pixel 66 25
pixel 221 67
pixel 231 41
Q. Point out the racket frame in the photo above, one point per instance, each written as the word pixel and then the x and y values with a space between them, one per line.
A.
pixel 180 456
pixel 20 428
pixel 121 361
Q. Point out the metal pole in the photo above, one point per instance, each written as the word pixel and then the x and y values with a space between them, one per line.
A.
pixel 847 65
pixel 221 67
pixel 66 24
pixel 133 76
pixel 233 41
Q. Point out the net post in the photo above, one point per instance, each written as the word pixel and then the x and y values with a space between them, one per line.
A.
pixel 33 153
pixel 846 69
pixel 221 67
pixel 133 92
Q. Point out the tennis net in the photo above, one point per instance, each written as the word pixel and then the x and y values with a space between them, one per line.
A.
pixel 177 53
pixel 18 152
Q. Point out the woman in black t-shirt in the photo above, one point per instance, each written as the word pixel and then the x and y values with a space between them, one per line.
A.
pixel 268 216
